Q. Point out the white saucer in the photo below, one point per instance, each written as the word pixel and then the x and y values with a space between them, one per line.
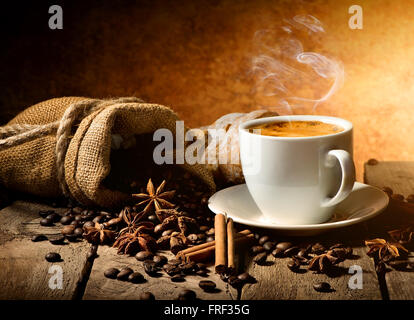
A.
pixel 363 203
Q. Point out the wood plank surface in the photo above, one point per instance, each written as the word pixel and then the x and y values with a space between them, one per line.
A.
pixel 25 274
pixel 100 287
pixel 400 177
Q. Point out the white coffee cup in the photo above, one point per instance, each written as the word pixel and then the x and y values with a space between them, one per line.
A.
pixel 297 180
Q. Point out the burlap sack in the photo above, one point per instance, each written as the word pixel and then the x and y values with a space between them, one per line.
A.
pixel 63 145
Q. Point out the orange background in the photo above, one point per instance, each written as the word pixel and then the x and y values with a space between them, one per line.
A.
pixel 195 57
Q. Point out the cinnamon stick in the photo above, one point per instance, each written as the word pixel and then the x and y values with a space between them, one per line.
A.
pixel 231 265
pixel 221 243
pixel 203 252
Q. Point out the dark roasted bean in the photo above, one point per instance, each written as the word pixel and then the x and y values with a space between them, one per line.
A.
pixel 235 282
pixel 60 239
pixel 171 269
pixel 111 273
pixel 192 237
pixel 277 253
pixel 146 296
pixel 291 251
pixel 67 230
pixel 397 197
pixel 202 273
pixel 175 262
pixel 372 162
pixel 144 255
pixel 66 220
pixel 160 260
pixel 322 287
pixel 53 257
pixel 136 277
pixel 150 268
pixel 153 218
pixel 263 239
pixel 246 277
pixel 124 274
pixel 207 285
pixel 256 250
pixel 78 232
pixel 294 265
pixel 209 239
pixel 269 245
pixel 187 295
pixel 39 237
pixel 45 213
pixel 54 217
pixel 260 258
pixel 177 278
pixel 284 245
pixel 201 266
pixel 88 224
pixel 318 248
pixel 210 232
pixel 46 222
pixel 204 228
pixel 410 198
pixel 167 232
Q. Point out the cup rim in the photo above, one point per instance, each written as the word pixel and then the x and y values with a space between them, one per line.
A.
pixel 347 125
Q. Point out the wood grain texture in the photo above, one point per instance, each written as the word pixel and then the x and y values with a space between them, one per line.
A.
pixel 24 270
pixel 277 282
pixel 400 177
pixel 100 287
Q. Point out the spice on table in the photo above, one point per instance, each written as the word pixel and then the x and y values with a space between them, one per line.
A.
pixel 231 265
pixel 221 243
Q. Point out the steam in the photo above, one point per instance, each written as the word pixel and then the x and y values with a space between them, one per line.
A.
pixel 289 75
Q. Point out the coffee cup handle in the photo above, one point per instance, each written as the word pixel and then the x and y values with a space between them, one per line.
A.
pixel 348 176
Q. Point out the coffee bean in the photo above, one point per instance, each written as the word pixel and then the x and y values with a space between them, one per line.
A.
pixel 124 274
pixel 171 269
pixel 177 278
pixel 410 198
pixel 66 220
pixel 284 245
pixel 87 224
pixel 209 239
pixel 235 282
pixel 76 224
pixel 67 230
pixel 303 253
pixel 187 295
pixel 322 287
pixel 78 232
pixel 153 218
pixel 291 251
pixel 263 239
pixel 151 268
pixel 144 255
pixel 260 258
pixel 207 285
pixel 57 240
pixel 45 213
pixel 372 162
pixel 294 265
pixel 39 237
pixel 188 267
pixel 78 218
pixel 160 260
pixel 246 278
pixel 277 253
pixel 46 222
pixel 202 273
pixel 146 296
pixel 256 250
pixel 175 262
pixel 72 237
pixel 318 248
pixel 97 219
pixel 201 236
pixel 201 266
pixel 54 217
pixel 111 273
pixel 269 245
pixel 136 277
pixel 53 257
pixel 387 190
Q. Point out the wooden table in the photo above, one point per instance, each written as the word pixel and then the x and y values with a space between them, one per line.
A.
pixel 24 273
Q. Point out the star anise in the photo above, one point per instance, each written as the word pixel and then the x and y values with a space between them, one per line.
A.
pixel 174 219
pixel 98 234
pixel 130 219
pixel 132 242
pixel 323 262
pixel 385 250
pixel 155 198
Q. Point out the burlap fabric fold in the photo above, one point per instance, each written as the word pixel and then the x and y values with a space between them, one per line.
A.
pixel 63 145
